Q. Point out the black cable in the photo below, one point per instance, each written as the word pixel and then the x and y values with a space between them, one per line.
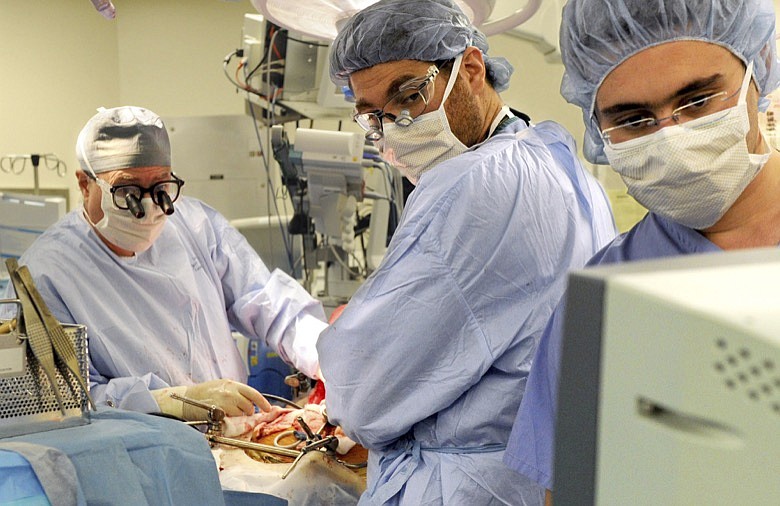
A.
pixel 262 60
pixel 281 399
pixel 315 44
pixel 287 245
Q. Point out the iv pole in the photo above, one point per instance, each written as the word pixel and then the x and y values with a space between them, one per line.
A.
pixel 15 164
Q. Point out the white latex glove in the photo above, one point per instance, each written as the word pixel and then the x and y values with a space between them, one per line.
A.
pixel 233 397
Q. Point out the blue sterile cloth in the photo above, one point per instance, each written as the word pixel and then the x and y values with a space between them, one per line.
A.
pixel 18 483
pixel 124 457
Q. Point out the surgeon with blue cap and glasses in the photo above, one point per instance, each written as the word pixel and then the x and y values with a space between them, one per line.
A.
pixel 427 364
pixel 160 280
pixel 670 92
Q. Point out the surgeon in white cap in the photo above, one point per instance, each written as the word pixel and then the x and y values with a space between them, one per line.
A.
pixel 160 280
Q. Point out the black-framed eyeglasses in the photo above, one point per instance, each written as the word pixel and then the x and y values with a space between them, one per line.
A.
pixel 403 107
pixel 163 193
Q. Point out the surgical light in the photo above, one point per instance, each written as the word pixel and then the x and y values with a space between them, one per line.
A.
pixel 320 19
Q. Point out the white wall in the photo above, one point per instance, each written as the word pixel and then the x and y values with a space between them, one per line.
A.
pixel 535 84
pixel 58 62
pixel 170 54
pixel 61 60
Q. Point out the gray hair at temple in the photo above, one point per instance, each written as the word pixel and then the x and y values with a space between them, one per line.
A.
pixel 598 35
pixel 424 30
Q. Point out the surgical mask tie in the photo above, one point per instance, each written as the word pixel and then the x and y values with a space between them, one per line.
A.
pixel 427 141
pixel 122 229
pixel 691 173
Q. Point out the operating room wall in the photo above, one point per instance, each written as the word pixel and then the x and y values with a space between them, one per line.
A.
pixel 60 60
pixel 57 63
pixel 535 83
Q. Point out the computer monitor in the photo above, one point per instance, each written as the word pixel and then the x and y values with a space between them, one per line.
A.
pixel 670 383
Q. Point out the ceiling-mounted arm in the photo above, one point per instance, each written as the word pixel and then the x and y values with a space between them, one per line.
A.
pixel 492 27
pixel 319 18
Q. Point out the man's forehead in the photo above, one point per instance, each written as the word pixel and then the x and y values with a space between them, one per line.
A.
pixel 373 85
pixel 139 174
pixel 658 71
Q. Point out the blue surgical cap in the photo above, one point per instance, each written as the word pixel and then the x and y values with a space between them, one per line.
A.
pixel 123 138
pixel 598 35
pixel 425 30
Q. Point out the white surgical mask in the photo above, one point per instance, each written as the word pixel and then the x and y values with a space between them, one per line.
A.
pixel 425 143
pixel 691 173
pixel 122 229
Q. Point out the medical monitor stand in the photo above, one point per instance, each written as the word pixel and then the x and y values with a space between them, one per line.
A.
pixel 578 395
pixel 670 382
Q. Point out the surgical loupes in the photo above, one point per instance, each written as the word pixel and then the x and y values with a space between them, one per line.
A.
pixel 135 207
pixel 164 201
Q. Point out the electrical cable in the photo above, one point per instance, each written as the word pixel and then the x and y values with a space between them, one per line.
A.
pixel 315 44
pixel 343 264
pixel 263 152
pixel 272 121
pixel 281 399
pixel 285 238
pixel 265 55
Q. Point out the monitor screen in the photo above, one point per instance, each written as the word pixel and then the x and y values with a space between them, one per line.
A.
pixel 670 382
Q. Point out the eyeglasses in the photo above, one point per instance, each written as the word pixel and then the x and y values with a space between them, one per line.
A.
pixel 643 123
pixel 407 104
pixel 163 193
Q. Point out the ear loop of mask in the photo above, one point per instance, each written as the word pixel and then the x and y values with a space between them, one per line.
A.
pixel 453 77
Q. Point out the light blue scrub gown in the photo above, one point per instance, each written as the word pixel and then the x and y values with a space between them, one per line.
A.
pixel 164 316
pixel 427 364
pixel 531 445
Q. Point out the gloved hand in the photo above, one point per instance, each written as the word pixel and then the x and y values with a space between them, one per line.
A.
pixel 233 397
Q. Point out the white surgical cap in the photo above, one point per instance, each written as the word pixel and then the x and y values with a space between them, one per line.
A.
pixel 123 138
pixel 598 35
pixel 425 30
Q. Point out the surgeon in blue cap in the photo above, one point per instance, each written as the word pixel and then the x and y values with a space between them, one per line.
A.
pixel 670 92
pixel 160 280
pixel 427 364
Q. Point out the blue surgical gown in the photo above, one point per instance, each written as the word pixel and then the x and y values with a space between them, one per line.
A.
pixel 531 445
pixel 427 364
pixel 164 317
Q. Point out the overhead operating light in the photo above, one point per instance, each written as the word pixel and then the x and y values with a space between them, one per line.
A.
pixel 320 19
